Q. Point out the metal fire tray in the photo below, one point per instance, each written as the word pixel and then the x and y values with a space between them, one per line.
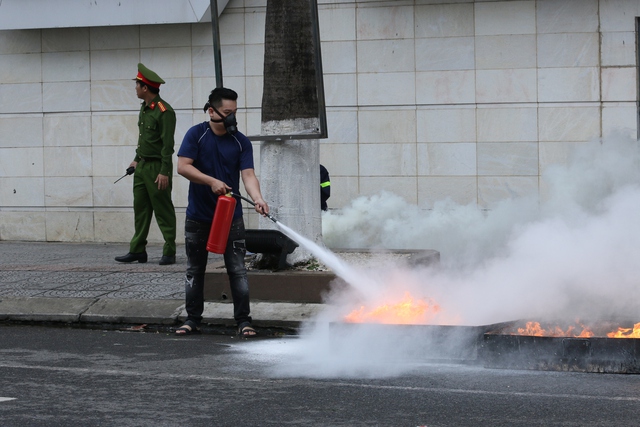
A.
pixel 501 349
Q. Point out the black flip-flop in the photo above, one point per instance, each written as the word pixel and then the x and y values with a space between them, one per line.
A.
pixel 245 332
pixel 185 330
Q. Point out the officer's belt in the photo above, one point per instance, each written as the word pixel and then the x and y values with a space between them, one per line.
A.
pixel 150 159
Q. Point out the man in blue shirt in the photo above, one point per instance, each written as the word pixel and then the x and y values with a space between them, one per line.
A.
pixel 214 156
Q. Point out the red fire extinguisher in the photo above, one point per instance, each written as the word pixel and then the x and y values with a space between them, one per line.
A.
pixel 221 225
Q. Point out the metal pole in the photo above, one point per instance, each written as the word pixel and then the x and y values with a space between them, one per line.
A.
pixel 217 56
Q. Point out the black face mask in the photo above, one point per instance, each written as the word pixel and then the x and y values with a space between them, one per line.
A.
pixel 230 123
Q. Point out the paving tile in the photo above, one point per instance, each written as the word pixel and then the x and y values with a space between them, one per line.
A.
pixel 142 295
pixel 84 286
pixel 126 278
pixel 61 293
pixel 20 292
pixel 18 276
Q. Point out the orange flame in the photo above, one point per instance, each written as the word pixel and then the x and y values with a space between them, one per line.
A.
pixel 626 332
pixel 534 329
pixel 406 312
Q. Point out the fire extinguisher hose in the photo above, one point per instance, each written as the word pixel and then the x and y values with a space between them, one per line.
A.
pixel 253 204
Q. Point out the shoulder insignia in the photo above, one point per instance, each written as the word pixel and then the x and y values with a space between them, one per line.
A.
pixel 153 105
pixel 161 106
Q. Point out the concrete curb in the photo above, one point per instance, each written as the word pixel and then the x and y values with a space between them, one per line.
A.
pixel 106 310
pixel 44 309
pixel 152 312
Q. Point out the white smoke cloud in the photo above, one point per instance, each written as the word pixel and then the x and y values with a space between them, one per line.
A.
pixel 466 235
pixel 574 253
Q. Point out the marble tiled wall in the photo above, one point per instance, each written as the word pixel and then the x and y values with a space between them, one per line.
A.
pixel 430 99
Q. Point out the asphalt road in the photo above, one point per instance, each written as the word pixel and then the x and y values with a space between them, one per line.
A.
pixel 78 377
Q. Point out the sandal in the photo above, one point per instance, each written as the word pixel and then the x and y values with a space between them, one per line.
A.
pixel 246 331
pixel 187 329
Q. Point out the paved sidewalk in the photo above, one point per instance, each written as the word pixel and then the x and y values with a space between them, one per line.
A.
pixel 81 283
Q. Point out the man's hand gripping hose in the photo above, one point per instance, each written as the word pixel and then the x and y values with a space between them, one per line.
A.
pixel 253 204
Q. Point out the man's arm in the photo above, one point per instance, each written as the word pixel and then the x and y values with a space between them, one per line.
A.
pixel 167 131
pixel 168 125
pixel 186 169
pixel 252 186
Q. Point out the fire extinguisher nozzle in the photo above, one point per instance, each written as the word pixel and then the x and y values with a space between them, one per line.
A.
pixel 253 204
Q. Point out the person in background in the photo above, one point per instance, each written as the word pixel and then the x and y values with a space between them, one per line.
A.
pixel 325 188
pixel 153 170
pixel 213 157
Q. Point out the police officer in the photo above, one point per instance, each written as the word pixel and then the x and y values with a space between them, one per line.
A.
pixel 153 165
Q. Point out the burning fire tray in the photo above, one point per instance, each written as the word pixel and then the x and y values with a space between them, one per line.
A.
pixel 515 347
pixel 433 343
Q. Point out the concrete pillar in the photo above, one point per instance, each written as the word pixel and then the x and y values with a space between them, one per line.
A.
pixel 290 183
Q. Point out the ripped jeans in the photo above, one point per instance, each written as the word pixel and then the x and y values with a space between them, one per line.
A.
pixel 196 236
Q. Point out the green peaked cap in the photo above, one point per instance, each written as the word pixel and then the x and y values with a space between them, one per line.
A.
pixel 150 76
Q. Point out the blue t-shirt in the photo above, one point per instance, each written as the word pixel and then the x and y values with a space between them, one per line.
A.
pixel 222 157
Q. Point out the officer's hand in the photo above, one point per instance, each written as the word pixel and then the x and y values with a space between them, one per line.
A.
pixel 162 181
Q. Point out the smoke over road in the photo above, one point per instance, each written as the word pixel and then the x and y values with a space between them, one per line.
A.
pixel 573 252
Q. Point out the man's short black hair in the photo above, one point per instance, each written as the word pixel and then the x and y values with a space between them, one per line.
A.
pixel 153 90
pixel 218 94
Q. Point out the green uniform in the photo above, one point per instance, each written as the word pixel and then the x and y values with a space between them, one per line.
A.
pixel 157 125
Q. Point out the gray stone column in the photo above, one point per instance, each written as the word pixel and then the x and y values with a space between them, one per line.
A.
pixel 290 183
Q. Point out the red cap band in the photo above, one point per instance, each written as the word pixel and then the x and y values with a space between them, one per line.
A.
pixel 146 81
